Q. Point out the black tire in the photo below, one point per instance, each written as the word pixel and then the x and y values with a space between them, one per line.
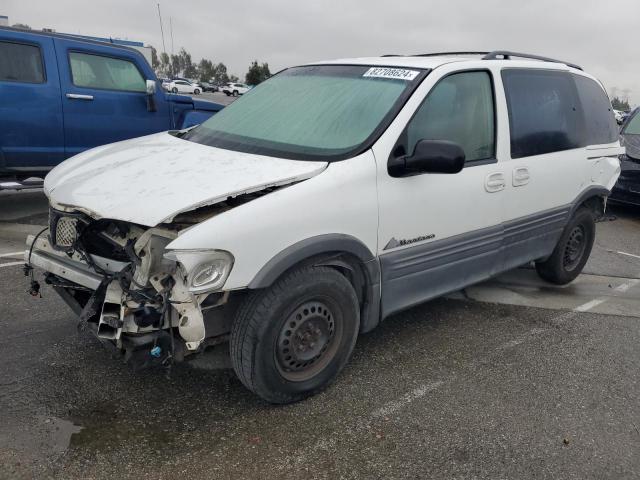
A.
pixel 227 93
pixel 174 90
pixel 196 91
pixel 291 340
pixel 572 251
pixel 235 93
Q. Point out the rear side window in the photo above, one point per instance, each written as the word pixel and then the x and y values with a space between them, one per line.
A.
pixel 458 109
pixel 544 113
pixel 20 63
pixel 96 71
pixel 598 114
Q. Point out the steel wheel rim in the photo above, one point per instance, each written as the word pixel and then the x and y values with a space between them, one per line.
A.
pixel 308 340
pixel 574 248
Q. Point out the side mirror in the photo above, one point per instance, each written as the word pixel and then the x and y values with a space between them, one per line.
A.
pixel 151 101
pixel 429 156
pixel 151 87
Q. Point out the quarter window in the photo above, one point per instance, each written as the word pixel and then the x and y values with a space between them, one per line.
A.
pixel 20 63
pixel 544 113
pixel 460 108
pixel 96 71
pixel 600 123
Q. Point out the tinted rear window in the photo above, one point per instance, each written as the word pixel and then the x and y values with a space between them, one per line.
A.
pixel 20 63
pixel 600 124
pixel 544 113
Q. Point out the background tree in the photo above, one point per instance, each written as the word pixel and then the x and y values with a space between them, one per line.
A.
pixel 22 26
pixel 257 73
pixel 619 104
pixel 205 70
pixel 181 65
pixel 220 75
pixel 164 70
pixel 155 62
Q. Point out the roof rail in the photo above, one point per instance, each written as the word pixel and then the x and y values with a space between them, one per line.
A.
pixel 442 54
pixel 506 55
pixel 438 54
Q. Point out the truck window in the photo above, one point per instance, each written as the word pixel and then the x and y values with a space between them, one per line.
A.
pixel 459 109
pixel 20 63
pixel 97 71
pixel 600 123
pixel 544 113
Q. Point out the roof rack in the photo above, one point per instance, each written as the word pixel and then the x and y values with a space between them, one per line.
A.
pixel 438 54
pixel 506 55
pixel 442 54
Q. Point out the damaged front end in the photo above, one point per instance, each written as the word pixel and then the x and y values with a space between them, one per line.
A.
pixel 153 304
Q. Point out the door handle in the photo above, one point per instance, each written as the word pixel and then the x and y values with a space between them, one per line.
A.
pixel 494 182
pixel 521 176
pixel 78 96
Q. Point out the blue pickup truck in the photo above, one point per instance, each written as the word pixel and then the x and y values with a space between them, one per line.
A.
pixel 60 95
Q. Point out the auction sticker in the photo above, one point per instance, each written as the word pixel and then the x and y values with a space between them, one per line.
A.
pixel 386 72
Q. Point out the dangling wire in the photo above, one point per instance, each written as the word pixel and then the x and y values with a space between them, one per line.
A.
pixel 34 285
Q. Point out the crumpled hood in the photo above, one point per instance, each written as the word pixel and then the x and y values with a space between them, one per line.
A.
pixel 151 179
pixel 632 145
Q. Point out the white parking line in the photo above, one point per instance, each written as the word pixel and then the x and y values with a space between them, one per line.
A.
pixel 624 253
pixel 11 264
pixel 12 254
pixel 585 307
pixel 406 399
pixel 629 254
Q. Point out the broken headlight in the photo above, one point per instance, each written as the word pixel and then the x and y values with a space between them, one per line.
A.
pixel 207 270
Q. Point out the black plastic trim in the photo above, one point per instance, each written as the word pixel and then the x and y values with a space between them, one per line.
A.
pixel 310 247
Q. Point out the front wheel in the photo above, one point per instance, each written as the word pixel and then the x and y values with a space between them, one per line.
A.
pixel 572 250
pixel 196 92
pixel 290 341
pixel 235 93
pixel 174 90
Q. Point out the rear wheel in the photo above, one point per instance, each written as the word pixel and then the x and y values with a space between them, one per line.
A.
pixel 572 251
pixel 291 340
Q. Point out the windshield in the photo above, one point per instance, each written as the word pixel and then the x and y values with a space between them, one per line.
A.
pixel 326 112
pixel 633 125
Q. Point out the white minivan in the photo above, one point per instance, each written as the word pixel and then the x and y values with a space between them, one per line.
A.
pixel 335 195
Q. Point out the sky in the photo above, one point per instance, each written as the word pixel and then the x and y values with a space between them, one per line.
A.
pixel 593 34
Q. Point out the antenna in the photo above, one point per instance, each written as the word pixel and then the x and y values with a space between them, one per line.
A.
pixel 171 30
pixel 164 48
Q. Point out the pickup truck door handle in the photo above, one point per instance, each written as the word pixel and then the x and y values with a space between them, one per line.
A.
pixel 494 182
pixel 77 96
pixel 520 176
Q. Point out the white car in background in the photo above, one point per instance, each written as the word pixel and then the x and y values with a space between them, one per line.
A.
pixel 235 89
pixel 619 116
pixel 182 86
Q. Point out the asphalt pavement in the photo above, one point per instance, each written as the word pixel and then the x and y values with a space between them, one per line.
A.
pixel 513 378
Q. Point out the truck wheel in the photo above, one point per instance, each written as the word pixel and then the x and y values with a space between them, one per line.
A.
pixel 290 341
pixel 196 91
pixel 174 90
pixel 572 251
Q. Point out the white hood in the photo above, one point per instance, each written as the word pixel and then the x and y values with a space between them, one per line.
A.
pixel 151 179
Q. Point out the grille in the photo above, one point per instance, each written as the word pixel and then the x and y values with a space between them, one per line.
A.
pixel 66 231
